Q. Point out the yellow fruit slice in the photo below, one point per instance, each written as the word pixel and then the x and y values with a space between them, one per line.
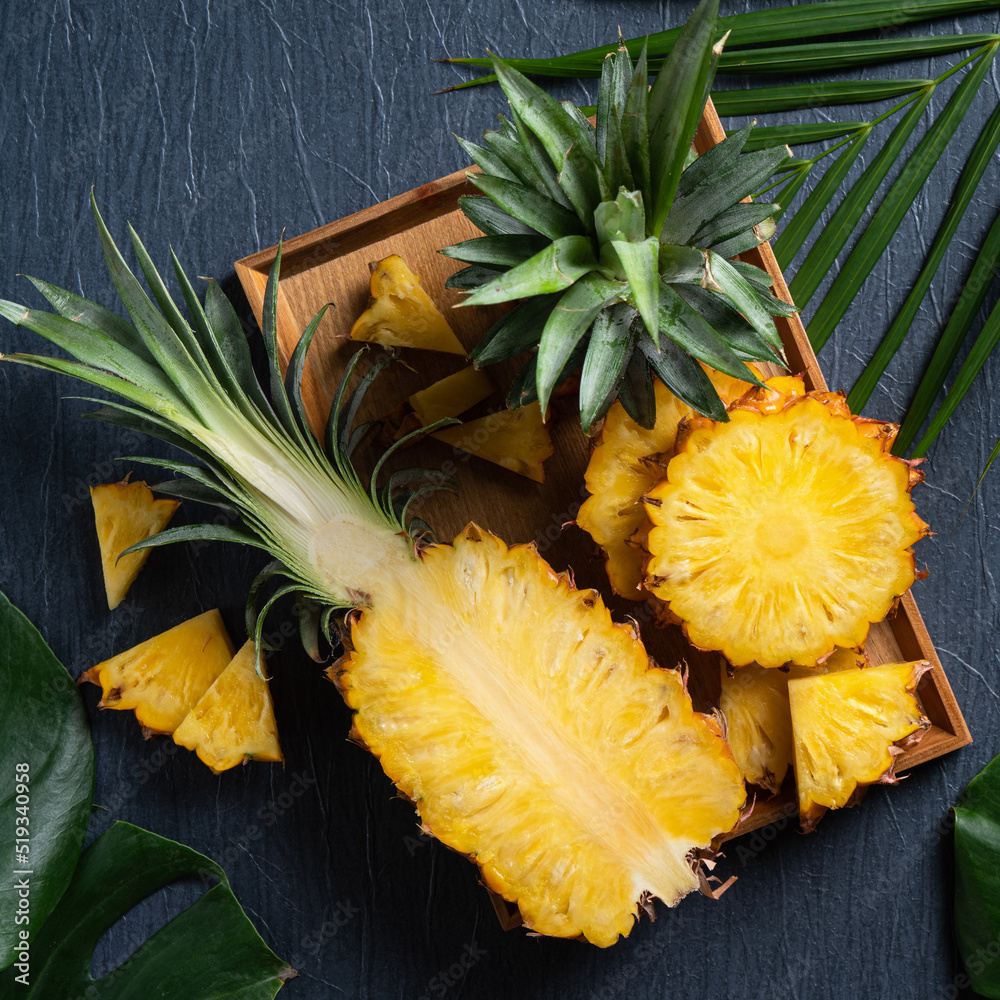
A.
pixel 401 314
pixel 126 513
pixel 451 396
pixel 517 439
pixel 783 533
pixel 627 461
pixel 533 735
pixel 846 726
pixel 163 678
pixel 754 702
pixel 233 723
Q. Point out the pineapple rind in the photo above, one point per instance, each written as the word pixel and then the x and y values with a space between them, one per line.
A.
pixel 627 461
pixel 783 533
pixel 126 513
pixel 845 726
pixel 163 678
pixel 233 721
pixel 533 735
pixel 401 314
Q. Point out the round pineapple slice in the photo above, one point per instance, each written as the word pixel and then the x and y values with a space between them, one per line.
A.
pixel 627 461
pixel 533 736
pixel 786 531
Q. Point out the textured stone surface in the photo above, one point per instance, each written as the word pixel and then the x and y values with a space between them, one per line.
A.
pixel 219 125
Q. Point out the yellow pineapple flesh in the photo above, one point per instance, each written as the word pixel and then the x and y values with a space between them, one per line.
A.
pixel 754 702
pixel 517 440
pixel 533 735
pixel 163 678
pixel 233 721
pixel 451 396
pixel 401 314
pixel 627 461
pixel 785 532
pixel 126 513
pixel 846 727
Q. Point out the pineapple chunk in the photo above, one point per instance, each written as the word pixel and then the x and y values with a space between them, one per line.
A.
pixel 516 439
pixel 234 721
pixel 164 677
pixel 126 513
pixel 451 396
pixel 845 726
pixel 533 735
pixel 627 462
pixel 783 533
pixel 754 702
pixel 401 314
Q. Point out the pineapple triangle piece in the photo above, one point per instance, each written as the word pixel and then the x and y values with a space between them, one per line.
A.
pixel 517 439
pixel 846 727
pixel 163 678
pixel 233 722
pixel 401 314
pixel 754 701
pixel 126 513
pixel 451 396
pixel 532 734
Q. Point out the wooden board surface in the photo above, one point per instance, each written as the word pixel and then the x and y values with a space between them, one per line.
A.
pixel 331 265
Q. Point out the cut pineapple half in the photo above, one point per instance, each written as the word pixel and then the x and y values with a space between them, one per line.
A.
pixel 233 722
pixel 785 532
pixel 532 735
pixel 627 461
pixel 401 314
pixel 517 440
pixel 754 702
pixel 846 726
pixel 163 678
pixel 126 513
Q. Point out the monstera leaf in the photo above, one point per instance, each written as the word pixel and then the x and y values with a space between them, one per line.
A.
pixel 977 880
pixel 47 768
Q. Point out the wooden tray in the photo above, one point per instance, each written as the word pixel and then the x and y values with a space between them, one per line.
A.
pixel 330 264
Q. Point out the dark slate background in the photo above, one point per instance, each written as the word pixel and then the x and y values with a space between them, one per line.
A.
pixel 216 126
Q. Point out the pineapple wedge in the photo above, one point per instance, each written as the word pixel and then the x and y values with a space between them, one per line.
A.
pixel 627 462
pixel 784 532
pixel 451 396
pixel 163 678
pixel 233 722
pixel 846 726
pixel 754 702
pixel 401 314
pixel 517 439
pixel 126 513
pixel 533 735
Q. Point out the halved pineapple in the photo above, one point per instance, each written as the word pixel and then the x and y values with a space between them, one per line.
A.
pixel 627 461
pixel 163 678
pixel 401 314
pixel 517 439
pixel 846 726
pixel 785 532
pixel 126 513
pixel 754 702
pixel 533 735
pixel 233 722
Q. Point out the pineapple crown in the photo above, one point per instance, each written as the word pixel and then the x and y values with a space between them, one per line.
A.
pixel 189 381
pixel 619 238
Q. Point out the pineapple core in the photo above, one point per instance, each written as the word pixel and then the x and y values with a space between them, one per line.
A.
pixel 126 513
pixel 401 314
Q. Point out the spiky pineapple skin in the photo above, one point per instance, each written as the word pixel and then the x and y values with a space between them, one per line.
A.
pixel 533 735
pixel 793 496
